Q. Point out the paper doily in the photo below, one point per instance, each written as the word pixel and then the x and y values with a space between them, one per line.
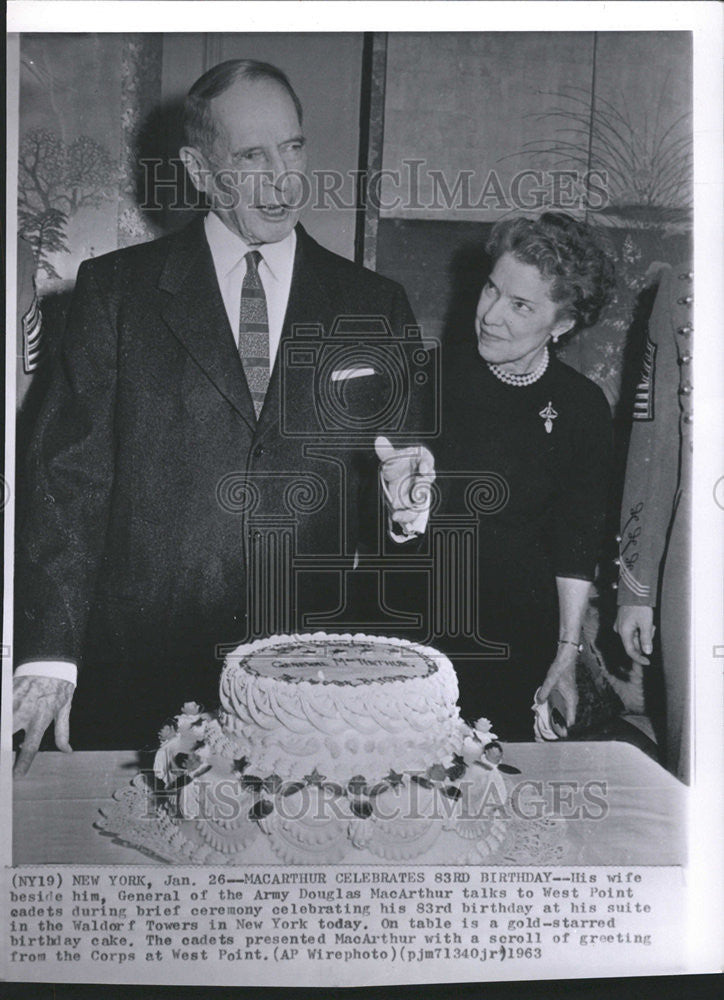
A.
pixel 135 819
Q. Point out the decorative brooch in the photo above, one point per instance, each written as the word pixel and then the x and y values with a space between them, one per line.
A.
pixel 549 415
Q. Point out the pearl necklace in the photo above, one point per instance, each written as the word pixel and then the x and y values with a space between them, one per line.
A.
pixel 513 378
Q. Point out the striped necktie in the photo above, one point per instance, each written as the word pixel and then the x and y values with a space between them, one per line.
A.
pixel 254 331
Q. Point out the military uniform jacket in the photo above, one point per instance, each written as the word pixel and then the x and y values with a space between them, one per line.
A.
pixel 660 445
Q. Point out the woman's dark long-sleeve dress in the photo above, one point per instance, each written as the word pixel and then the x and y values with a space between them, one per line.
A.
pixel 541 455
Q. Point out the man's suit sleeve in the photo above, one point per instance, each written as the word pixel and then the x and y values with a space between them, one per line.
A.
pixel 653 457
pixel 70 468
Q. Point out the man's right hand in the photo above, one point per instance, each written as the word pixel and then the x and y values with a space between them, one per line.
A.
pixel 635 625
pixel 38 701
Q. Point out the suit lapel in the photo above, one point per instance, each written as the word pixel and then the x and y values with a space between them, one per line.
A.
pixel 194 311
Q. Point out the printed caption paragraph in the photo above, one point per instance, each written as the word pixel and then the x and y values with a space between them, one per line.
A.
pixel 339 925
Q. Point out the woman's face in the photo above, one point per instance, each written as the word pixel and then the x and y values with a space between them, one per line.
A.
pixel 516 316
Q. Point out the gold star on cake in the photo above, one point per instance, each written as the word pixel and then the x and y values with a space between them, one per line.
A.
pixel 315 778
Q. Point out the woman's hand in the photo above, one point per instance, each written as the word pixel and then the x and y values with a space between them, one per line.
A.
pixel 562 676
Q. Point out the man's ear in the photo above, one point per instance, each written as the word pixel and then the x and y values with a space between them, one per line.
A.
pixel 196 167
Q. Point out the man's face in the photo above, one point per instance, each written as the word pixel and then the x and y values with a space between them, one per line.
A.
pixel 256 164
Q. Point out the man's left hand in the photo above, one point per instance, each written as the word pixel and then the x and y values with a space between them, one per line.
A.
pixel 407 475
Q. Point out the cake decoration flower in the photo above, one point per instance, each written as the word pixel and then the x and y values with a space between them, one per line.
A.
pixel 483 729
pixel 472 750
pixel 163 767
pixel 272 783
pixel 188 761
pixel 361 808
pixel 357 785
pixel 191 708
pixel 166 733
pixel 493 752
pixel 457 768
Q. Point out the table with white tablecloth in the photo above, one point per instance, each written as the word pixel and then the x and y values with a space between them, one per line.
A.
pixel 617 805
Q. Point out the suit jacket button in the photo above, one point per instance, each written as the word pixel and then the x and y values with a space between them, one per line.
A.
pixel 688 418
pixel 685 330
pixel 686 389
pixel 685 300
pixel 684 359
pixel 686 276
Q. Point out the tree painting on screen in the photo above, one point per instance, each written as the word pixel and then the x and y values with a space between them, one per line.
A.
pixel 55 182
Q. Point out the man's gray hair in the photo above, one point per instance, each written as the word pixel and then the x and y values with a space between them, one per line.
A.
pixel 200 128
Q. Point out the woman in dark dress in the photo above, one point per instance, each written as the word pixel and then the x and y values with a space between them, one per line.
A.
pixel 535 435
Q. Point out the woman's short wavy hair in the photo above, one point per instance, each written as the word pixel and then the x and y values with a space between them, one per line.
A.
pixel 570 253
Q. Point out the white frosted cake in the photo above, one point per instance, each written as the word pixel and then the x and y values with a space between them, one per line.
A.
pixel 334 746
pixel 344 705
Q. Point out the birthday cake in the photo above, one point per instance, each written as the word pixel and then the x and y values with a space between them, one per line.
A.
pixel 331 747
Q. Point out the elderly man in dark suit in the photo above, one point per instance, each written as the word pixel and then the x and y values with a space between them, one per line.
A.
pixel 216 406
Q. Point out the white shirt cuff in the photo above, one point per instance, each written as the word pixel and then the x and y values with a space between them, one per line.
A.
pixel 414 528
pixel 62 670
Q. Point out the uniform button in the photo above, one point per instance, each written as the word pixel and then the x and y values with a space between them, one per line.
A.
pixel 614 585
pixel 686 389
pixel 618 538
pixel 685 300
pixel 688 418
pixel 686 276
pixel 684 359
pixel 685 330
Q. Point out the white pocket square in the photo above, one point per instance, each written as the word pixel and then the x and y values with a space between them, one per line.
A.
pixel 346 373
